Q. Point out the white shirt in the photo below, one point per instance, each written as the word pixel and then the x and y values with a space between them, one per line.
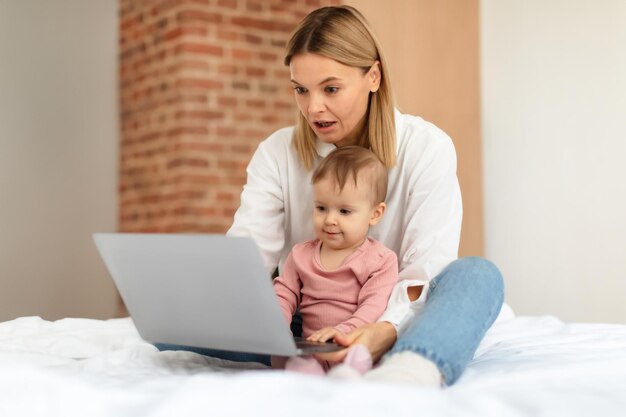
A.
pixel 422 223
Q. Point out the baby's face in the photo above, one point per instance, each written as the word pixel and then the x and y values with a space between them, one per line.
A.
pixel 341 219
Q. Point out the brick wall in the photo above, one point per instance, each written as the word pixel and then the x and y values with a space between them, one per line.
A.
pixel 201 84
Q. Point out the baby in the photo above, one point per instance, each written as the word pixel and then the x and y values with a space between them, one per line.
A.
pixel 342 279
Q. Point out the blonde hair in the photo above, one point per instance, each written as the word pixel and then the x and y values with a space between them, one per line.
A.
pixel 342 34
pixel 351 162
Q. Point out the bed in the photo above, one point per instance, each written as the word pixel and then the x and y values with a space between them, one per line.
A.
pixel 526 366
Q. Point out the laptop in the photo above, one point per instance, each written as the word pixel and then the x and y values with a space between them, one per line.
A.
pixel 207 291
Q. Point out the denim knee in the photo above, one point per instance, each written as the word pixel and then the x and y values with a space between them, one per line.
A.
pixel 484 273
pixel 480 271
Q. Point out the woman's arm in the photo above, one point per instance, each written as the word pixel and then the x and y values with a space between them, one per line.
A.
pixel 431 223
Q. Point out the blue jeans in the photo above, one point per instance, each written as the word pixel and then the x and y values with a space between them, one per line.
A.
pixel 463 302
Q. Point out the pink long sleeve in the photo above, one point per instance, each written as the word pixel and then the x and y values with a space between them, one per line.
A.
pixel 287 287
pixel 374 294
pixel 352 295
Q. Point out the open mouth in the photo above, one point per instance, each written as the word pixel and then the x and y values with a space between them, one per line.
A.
pixel 323 125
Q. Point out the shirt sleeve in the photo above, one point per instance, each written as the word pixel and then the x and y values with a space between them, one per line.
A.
pixel 374 294
pixel 432 227
pixel 261 213
pixel 287 287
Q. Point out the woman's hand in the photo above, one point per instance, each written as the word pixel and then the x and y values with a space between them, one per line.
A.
pixel 377 337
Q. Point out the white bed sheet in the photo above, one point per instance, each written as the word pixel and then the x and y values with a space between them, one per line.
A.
pixel 526 366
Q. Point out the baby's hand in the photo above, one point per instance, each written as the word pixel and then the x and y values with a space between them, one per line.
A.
pixel 323 335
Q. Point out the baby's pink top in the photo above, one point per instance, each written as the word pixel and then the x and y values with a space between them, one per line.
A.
pixel 350 296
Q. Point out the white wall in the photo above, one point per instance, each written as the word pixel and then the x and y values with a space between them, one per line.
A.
pixel 58 155
pixel 554 131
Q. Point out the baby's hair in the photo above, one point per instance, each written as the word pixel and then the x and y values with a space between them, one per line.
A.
pixel 354 161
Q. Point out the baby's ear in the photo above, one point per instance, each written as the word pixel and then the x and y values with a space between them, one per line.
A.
pixel 377 214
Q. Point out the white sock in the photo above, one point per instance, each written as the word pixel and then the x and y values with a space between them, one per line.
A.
pixel 407 368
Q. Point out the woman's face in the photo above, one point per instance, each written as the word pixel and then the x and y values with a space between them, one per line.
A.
pixel 333 97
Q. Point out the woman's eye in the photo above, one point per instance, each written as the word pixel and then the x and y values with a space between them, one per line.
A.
pixel 331 90
pixel 300 90
pixel 345 212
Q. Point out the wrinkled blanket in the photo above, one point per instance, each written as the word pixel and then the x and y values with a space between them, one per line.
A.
pixel 526 366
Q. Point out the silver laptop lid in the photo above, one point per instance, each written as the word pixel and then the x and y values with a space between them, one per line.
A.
pixel 210 291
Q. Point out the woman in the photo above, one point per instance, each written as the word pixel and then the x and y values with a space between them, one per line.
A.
pixel 441 307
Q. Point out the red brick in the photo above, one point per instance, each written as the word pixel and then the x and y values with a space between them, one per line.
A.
pixel 198 114
pixel 149 137
pixel 227 69
pixel 203 131
pixel 226 131
pixel 254 6
pixel 231 4
pixel 253 39
pixel 199 48
pixel 241 53
pixel 236 180
pixel 255 134
pixel 241 149
pixel 240 85
pixel 163 6
pixel 201 179
pixel 227 101
pixel 202 84
pixel 222 196
pixel 284 105
pixel 199 146
pixel 156 214
pixel 150 199
pixel 277 9
pixel 280 43
pixel 249 22
pixel 128 23
pixel 182 31
pixel 226 35
pixel 270 88
pixel 229 212
pixel 282 74
pixel 192 99
pixel 269 119
pixel 187 162
pixel 259 104
pixel 242 117
pixel 267 56
pixel 255 72
pixel 194 211
pixel 285 27
pixel 198 15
